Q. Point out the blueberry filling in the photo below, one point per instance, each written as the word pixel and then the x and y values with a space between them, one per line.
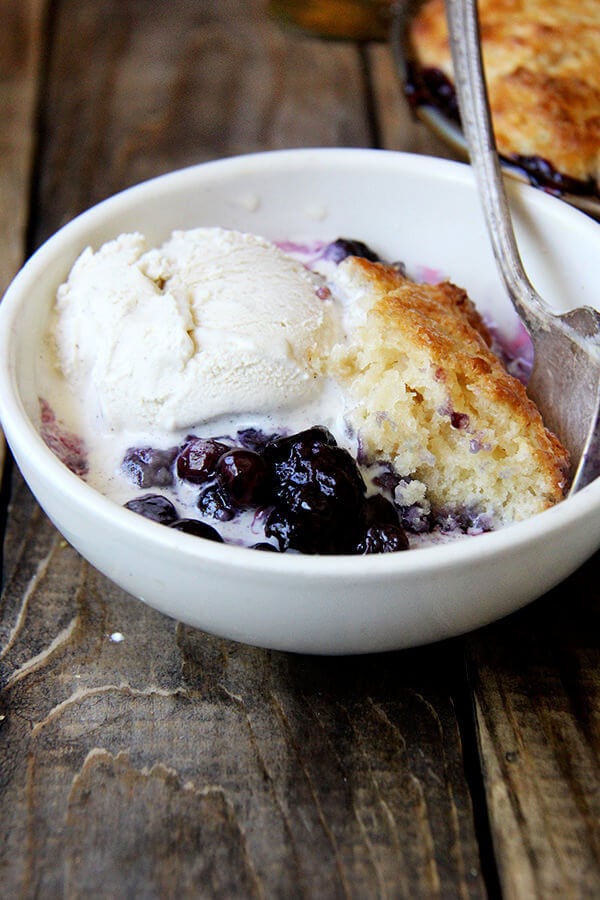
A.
pixel 308 492
pixel 148 467
pixel 343 247
pixel 155 507
pixel 308 495
pixel 200 529
pixel 428 86
pixel 542 173
pixel 318 494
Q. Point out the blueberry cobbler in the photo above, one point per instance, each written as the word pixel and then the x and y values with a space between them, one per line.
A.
pixel 291 398
pixel 542 65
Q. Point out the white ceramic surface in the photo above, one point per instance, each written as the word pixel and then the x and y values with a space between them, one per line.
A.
pixel 422 210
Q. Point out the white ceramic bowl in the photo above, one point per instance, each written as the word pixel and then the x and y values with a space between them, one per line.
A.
pixel 422 210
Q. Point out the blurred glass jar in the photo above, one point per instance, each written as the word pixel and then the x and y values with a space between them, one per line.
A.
pixel 358 20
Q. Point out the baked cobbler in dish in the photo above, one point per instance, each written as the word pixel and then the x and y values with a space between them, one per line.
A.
pixel 542 66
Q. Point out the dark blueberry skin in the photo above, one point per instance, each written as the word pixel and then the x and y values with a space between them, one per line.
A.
pixel 214 501
pixel 309 490
pixel 243 475
pixel 459 420
pixel 378 509
pixel 543 174
pixel 309 468
pixel 303 533
pixel 254 439
pixel 200 529
pixel 197 460
pixel 430 87
pixel 318 493
pixel 382 531
pixel 343 247
pixel 148 467
pixel 155 507
pixel 382 537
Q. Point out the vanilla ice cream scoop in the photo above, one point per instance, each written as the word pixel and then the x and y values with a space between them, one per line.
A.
pixel 213 323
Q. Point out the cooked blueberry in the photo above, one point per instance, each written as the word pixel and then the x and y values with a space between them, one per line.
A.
pixel 215 502
pixel 243 474
pixel 253 439
pixel 200 529
pixel 311 465
pixel 149 467
pixel 416 519
pixel 343 247
pixel 382 537
pixel 463 520
pixel 387 478
pixel 431 87
pixel 198 458
pixel 543 174
pixel 448 519
pixel 378 509
pixel 459 420
pixel 308 491
pixel 280 447
pixel 155 507
pixel 305 533
pixel 319 493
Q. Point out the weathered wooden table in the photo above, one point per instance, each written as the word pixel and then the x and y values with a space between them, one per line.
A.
pixel 175 764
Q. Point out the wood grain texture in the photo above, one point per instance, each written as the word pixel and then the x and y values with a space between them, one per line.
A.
pixel 20 64
pixel 537 687
pixel 171 84
pixel 397 127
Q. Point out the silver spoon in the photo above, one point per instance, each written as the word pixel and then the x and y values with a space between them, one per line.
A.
pixel 565 382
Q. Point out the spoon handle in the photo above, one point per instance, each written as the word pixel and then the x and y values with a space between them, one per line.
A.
pixel 476 121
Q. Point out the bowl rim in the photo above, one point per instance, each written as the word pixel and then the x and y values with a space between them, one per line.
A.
pixel 25 438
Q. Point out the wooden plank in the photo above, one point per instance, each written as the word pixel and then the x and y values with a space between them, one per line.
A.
pixel 537 687
pixel 20 59
pixel 20 49
pixel 139 756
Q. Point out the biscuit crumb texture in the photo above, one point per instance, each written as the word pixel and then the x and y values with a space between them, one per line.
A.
pixel 429 396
